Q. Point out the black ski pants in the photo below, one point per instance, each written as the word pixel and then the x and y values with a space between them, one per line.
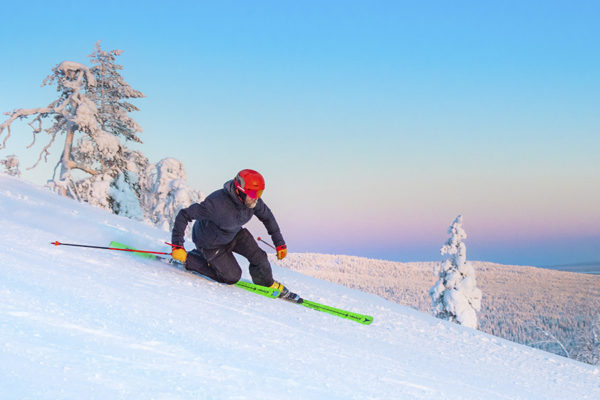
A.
pixel 220 264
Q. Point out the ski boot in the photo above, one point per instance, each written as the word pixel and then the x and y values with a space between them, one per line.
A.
pixel 285 294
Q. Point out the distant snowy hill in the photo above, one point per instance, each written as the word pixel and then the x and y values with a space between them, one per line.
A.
pixel 519 303
pixel 82 323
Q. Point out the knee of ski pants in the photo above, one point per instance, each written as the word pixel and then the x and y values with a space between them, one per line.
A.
pixel 194 258
pixel 259 258
pixel 247 246
pixel 227 268
pixel 232 276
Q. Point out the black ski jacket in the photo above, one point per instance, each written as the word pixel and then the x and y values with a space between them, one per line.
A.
pixel 220 217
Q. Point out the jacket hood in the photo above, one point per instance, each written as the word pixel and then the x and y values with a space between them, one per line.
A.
pixel 229 187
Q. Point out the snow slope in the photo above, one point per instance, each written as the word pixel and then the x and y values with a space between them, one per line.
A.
pixel 82 323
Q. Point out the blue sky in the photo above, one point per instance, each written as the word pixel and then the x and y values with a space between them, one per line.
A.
pixel 375 123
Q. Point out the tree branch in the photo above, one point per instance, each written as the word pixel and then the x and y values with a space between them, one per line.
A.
pixel 20 114
pixel 35 130
pixel 44 151
pixel 551 336
pixel 83 168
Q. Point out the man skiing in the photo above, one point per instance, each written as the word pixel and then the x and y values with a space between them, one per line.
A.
pixel 218 233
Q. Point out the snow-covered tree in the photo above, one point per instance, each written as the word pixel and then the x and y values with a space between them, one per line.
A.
pixel 127 191
pixel 114 191
pixel 111 94
pixel 143 191
pixel 544 339
pixel 587 343
pixel 455 296
pixel 73 112
pixel 125 201
pixel 11 164
pixel 92 111
pixel 168 193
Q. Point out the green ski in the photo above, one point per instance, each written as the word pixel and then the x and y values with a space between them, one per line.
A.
pixel 273 293
pixel 262 290
pixel 270 292
pixel 251 287
pixel 360 318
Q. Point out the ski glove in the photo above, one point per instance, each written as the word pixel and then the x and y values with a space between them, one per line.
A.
pixel 281 252
pixel 179 254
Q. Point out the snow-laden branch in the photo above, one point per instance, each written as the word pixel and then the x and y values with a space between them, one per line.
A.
pixel 20 114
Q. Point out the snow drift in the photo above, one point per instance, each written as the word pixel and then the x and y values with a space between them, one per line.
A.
pixel 83 323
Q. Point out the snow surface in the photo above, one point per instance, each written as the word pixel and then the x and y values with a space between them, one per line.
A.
pixel 82 323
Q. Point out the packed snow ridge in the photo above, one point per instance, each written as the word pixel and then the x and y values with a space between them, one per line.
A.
pixel 83 323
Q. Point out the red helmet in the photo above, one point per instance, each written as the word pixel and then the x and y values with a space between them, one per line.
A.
pixel 250 182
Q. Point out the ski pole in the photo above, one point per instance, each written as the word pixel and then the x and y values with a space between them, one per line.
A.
pixel 57 243
pixel 267 243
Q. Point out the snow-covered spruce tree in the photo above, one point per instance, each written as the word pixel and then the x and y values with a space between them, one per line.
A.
pixel 72 113
pixel 168 193
pixel 129 188
pixel 455 296
pixel 125 200
pixel 111 94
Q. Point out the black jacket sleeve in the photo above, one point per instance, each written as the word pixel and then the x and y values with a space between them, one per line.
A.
pixel 264 214
pixel 185 216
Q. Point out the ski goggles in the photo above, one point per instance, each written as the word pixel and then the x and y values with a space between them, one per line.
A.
pixel 253 194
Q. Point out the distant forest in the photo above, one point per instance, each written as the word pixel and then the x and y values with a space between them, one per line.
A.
pixel 551 310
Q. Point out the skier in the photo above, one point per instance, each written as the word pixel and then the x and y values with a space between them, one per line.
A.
pixel 218 233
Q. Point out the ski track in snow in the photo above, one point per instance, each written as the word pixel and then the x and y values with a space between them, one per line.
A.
pixel 83 323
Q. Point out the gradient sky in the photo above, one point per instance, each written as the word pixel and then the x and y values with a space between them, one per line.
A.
pixel 375 123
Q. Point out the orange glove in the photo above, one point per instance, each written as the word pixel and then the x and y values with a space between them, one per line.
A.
pixel 281 252
pixel 179 254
